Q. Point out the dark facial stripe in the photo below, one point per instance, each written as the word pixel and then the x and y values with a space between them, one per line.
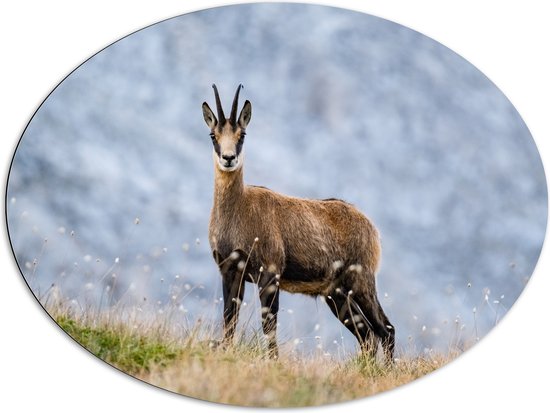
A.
pixel 216 144
pixel 240 144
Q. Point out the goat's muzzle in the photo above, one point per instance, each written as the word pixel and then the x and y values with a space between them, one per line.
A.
pixel 228 162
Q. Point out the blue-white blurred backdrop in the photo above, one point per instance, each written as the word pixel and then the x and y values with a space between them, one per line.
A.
pixel 114 173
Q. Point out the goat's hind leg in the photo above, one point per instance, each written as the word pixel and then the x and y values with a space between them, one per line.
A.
pixel 345 309
pixel 371 309
pixel 362 314
pixel 388 339
pixel 361 290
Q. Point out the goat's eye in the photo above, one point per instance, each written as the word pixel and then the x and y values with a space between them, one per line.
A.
pixel 213 137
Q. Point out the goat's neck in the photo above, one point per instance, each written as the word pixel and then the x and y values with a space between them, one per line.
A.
pixel 228 189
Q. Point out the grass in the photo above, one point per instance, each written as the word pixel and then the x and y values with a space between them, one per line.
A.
pixel 130 352
pixel 237 378
pixel 241 374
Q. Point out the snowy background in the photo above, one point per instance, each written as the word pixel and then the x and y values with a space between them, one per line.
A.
pixel 344 105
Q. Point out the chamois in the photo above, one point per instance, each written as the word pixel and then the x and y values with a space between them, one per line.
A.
pixel 314 247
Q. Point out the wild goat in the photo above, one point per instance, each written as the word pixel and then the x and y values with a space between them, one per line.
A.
pixel 315 247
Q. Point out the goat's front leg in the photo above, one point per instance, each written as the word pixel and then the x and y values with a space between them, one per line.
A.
pixel 233 291
pixel 269 298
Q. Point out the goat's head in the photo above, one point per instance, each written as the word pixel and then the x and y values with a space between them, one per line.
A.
pixel 227 134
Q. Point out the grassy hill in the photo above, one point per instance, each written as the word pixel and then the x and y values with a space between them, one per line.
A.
pixel 241 375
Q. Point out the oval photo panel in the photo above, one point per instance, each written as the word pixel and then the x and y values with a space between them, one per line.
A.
pixel 390 208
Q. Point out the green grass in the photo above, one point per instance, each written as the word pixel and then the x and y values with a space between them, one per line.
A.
pixel 130 352
pixel 240 374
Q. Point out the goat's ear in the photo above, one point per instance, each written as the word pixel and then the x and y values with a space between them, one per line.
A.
pixel 245 115
pixel 209 116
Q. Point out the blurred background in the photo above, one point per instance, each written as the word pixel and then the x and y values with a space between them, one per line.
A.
pixel 111 184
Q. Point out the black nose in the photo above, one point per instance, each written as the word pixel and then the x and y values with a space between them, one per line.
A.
pixel 228 158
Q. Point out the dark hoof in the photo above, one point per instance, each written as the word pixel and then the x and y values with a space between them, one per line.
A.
pixel 273 354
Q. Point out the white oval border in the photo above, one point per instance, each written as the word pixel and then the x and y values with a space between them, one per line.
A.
pixel 49 39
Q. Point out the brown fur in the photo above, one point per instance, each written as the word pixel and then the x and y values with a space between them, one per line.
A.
pixel 322 248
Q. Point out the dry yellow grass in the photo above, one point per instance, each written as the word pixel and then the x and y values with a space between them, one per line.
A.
pixel 241 374
pixel 240 378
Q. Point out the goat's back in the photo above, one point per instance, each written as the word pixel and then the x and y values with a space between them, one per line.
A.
pixel 314 234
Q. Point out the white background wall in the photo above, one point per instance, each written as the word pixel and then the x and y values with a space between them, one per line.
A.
pixel 43 41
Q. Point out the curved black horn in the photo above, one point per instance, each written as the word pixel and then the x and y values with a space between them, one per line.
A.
pixel 233 118
pixel 221 116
